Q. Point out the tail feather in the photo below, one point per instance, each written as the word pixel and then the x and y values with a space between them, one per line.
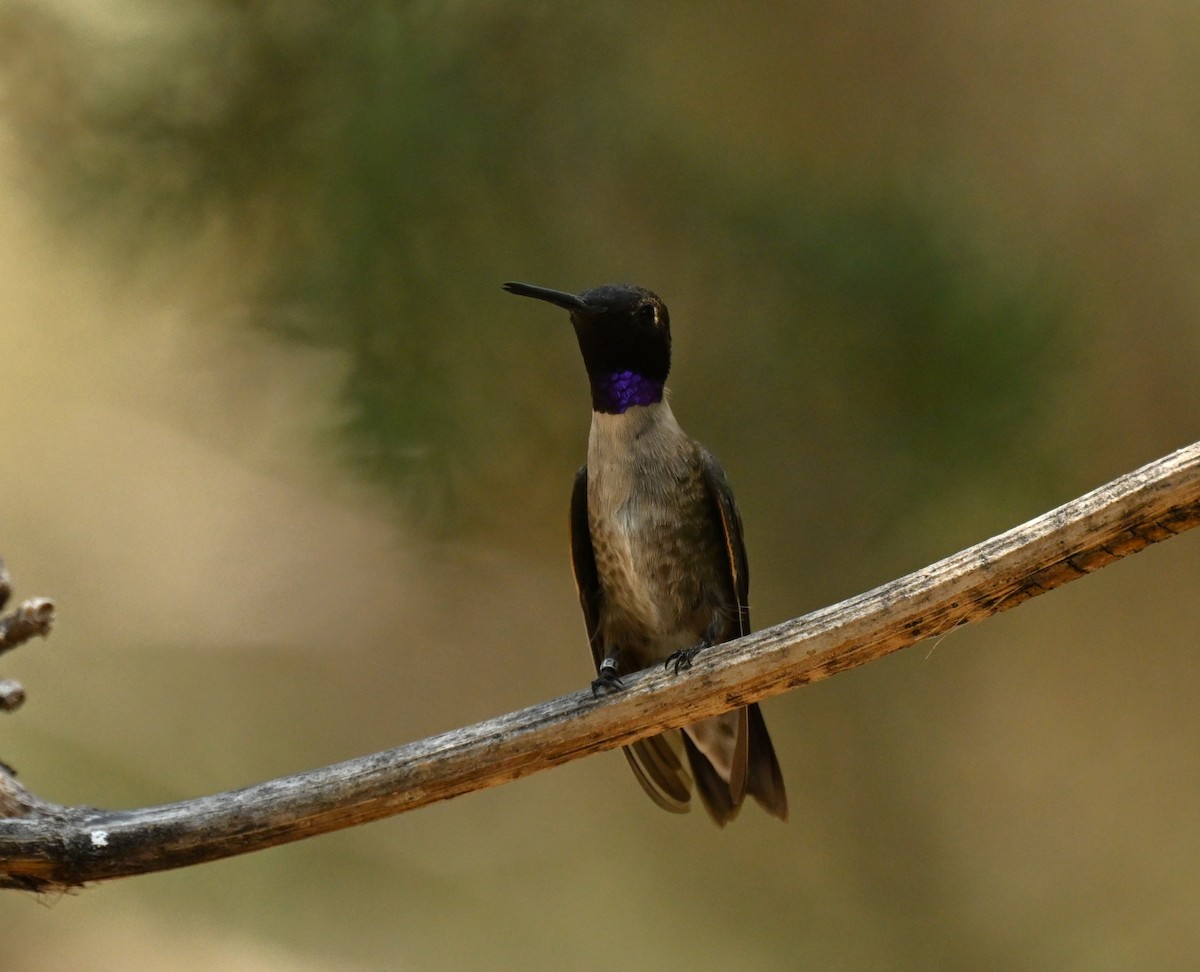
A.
pixel 713 789
pixel 731 756
pixel 764 780
pixel 656 764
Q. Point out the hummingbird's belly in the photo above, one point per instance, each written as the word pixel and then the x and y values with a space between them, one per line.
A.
pixel 657 592
pixel 660 556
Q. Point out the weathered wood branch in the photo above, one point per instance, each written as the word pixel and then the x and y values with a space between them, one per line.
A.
pixel 45 847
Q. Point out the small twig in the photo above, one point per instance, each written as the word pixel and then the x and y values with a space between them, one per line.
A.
pixel 51 847
pixel 33 617
pixel 11 694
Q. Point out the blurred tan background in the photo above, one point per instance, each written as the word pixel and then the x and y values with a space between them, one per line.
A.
pixel 296 469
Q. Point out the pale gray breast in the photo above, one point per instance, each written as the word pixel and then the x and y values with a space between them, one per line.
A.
pixel 654 541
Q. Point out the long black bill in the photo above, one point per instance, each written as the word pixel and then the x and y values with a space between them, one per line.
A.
pixel 562 299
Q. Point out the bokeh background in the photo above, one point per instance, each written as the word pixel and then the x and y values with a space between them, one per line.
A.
pixel 296 469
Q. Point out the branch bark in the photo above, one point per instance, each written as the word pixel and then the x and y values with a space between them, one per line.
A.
pixel 44 846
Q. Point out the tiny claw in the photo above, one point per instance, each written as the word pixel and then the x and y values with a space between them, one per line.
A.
pixel 682 659
pixel 608 680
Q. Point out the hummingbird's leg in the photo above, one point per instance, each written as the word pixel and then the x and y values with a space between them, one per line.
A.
pixel 681 660
pixel 608 679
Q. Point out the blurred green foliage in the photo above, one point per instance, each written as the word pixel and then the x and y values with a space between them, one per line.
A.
pixel 387 165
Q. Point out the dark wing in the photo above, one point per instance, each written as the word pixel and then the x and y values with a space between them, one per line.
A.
pixel 731 529
pixel 763 779
pixel 583 563
pixel 657 766
pixel 654 761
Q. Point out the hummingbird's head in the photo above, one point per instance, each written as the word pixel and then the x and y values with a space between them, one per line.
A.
pixel 624 333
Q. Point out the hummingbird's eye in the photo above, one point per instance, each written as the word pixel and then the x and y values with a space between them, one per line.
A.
pixel 647 314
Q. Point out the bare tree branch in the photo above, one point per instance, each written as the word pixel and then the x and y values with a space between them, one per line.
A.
pixel 45 847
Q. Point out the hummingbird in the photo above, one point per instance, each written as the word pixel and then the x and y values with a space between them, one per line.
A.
pixel 657 552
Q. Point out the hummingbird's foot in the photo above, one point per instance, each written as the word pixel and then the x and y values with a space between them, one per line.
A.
pixel 682 659
pixel 608 680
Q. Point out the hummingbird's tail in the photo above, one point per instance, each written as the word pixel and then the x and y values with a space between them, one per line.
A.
pixel 731 755
pixel 764 780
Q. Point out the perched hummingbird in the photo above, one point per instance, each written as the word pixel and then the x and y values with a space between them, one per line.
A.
pixel 656 545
